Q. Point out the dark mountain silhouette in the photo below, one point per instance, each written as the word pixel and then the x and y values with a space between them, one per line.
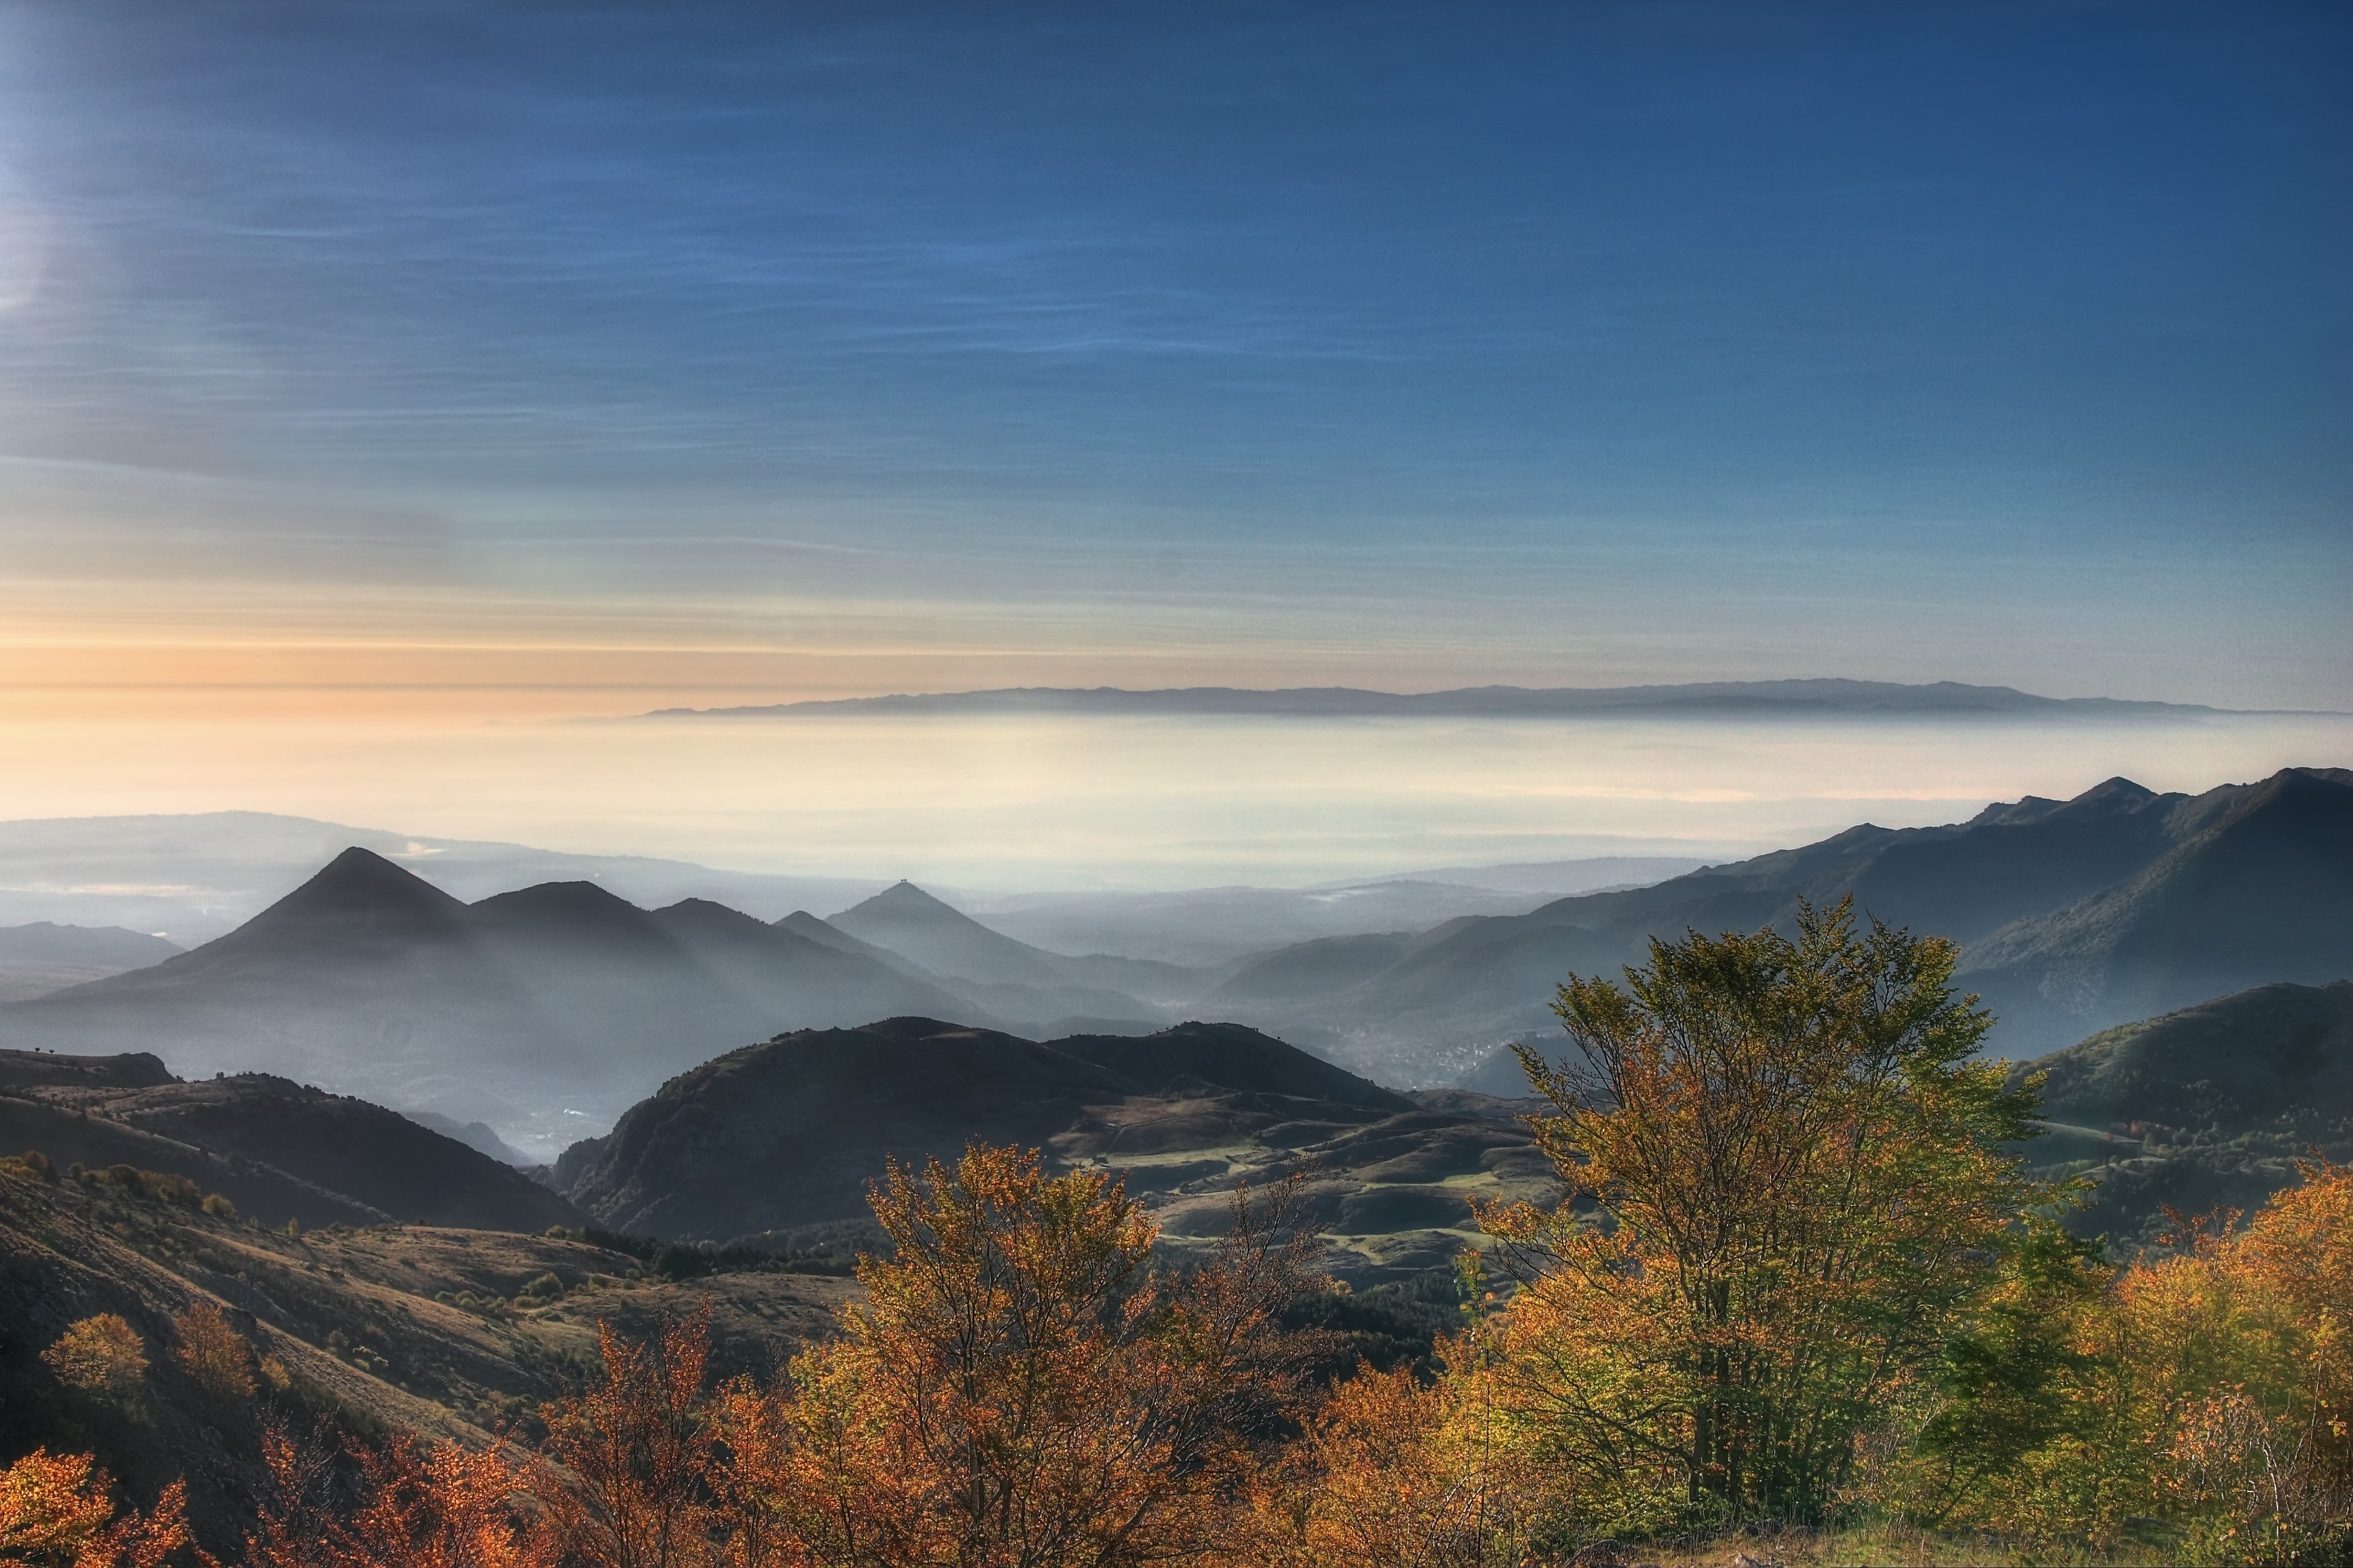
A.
pixel 779 1141
pixel 370 981
pixel 2261 891
pixel 279 1151
pixel 2136 890
pixel 2209 1106
pixel 1740 697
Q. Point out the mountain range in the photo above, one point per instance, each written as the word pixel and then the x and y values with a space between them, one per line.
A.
pixel 545 1012
pixel 1745 698
pixel 2072 915
pixel 193 878
pixel 514 1010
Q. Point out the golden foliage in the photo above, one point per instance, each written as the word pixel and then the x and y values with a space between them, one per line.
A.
pixel 636 1454
pixel 102 1355
pixel 55 1512
pixel 1799 1184
pixel 1390 1474
pixel 441 1507
pixel 1020 1388
pixel 214 1355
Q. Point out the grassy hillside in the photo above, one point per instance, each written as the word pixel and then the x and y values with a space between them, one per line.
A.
pixel 2211 1106
pixel 278 1149
pixel 449 1332
pixel 778 1141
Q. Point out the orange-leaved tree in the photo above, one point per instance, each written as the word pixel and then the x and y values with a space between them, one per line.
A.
pixel 1022 1388
pixel 56 1511
pixel 416 1507
pixel 1798 1187
pixel 636 1454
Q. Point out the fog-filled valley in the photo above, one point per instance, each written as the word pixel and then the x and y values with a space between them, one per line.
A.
pixel 545 1011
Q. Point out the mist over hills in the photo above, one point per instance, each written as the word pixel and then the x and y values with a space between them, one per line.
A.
pixel 1214 926
pixel 199 876
pixel 509 1011
pixel 1747 697
pixel 278 1149
pixel 2074 915
pixel 544 1012
pixel 194 877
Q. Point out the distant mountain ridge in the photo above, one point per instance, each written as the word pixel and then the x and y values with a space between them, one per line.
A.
pixel 370 980
pixel 44 956
pixel 2056 930
pixel 1751 696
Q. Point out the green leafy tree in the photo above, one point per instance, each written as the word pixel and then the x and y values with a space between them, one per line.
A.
pixel 1791 1190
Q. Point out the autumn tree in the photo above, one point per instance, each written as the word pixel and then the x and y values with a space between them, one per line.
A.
pixel 417 1506
pixel 634 1453
pixel 102 1355
pixel 1022 1388
pixel 1798 1185
pixel 1391 1473
pixel 2234 1359
pixel 57 1510
pixel 214 1355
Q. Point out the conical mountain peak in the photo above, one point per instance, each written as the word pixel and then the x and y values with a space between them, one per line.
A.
pixel 901 900
pixel 357 889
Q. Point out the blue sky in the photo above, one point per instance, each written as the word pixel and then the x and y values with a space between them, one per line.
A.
pixel 687 350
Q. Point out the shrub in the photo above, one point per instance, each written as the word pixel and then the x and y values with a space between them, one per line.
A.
pixel 100 1355
pixel 218 1207
pixel 215 1356
pixel 545 1285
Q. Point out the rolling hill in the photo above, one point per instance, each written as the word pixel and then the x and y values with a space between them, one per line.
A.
pixel 278 1149
pixel 2209 1106
pixel 452 1333
pixel 777 1142
pixel 38 959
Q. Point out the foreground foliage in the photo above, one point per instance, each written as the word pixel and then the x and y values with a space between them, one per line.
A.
pixel 1801 1282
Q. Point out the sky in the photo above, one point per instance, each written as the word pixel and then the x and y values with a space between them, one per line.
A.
pixel 476 364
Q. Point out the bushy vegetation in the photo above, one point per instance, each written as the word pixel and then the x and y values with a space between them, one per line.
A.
pixel 1805 1285
pixel 682 1261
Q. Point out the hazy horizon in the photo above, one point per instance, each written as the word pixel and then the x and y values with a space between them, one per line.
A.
pixel 1009 805
pixel 383 388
